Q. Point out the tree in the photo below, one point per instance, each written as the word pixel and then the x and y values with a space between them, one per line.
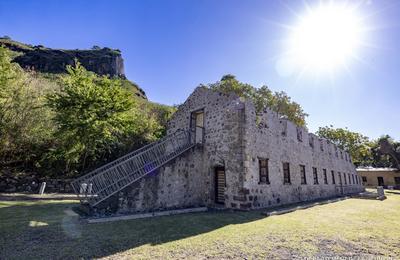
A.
pixel 390 149
pixel 358 145
pixel 25 124
pixel 92 116
pixel 262 98
pixel 59 124
pixel 364 152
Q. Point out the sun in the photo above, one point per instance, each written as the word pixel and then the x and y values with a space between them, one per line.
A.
pixel 326 38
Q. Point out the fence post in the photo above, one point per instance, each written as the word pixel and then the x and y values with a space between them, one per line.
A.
pixel 83 188
pixel 42 187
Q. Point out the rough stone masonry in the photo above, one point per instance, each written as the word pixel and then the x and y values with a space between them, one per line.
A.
pixel 243 161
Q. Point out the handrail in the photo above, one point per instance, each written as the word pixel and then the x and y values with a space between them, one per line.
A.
pixel 105 181
pixel 122 159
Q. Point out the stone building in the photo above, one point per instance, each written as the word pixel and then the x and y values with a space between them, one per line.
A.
pixel 241 161
pixel 386 177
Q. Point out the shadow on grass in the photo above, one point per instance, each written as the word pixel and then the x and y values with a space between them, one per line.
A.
pixel 30 196
pixel 52 231
pixel 393 192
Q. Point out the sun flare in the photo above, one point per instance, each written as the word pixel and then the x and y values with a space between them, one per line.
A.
pixel 326 38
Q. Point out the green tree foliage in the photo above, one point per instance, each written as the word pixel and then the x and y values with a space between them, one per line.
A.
pixel 263 97
pixel 91 113
pixel 25 125
pixel 69 124
pixel 160 114
pixel 364 152
pixel 358 145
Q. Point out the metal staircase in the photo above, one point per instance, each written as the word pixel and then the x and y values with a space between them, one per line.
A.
pixel 107 180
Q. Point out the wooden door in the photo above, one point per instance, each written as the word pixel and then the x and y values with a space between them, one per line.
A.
pixel 220 185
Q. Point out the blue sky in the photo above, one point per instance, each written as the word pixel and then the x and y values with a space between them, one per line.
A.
pixel 170 47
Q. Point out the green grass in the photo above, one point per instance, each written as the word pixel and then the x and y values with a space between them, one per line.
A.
pixel 44 229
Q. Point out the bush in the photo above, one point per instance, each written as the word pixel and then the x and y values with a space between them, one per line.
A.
pixel 25 123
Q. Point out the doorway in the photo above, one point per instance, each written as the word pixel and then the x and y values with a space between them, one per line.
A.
pixel 380 181
pixel 220 183
pixel 197 126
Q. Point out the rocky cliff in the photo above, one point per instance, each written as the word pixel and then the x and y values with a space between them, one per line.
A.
pixel 102 61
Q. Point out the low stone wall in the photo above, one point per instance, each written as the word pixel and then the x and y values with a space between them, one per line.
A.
pixel 31 183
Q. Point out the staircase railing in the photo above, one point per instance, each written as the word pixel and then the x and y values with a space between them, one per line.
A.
pixel 107 180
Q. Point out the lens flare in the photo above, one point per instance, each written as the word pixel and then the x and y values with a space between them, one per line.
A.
pixel 325 39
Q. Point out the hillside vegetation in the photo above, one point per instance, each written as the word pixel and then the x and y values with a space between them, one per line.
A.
pixel 63 125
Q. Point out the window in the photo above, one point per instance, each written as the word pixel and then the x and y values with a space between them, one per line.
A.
pixel 397 180
pixel 321 144
pixel 325 176
pixel 344 177
pixel 286 173
pixel 263 170
pixel 349 178
pixel 336 152
pixel 299 134
pixel 197 125
pixel 303 174
pixel 284 127
pixel 315 174
pixel 352 177
pixel 311 141
pixel 340 178
pixel 364 179
pixel 333 177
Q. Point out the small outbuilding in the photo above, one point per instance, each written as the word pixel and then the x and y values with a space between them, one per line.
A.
pixel 386 177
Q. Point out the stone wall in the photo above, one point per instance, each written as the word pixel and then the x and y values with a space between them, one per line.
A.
pixel 189 180
pixel 25 182
pixel 277 139
pixel 235 138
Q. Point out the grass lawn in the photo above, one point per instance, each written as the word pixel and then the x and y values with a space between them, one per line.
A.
pixel 46 229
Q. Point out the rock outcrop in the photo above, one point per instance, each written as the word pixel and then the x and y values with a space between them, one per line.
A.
pixel 102 61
